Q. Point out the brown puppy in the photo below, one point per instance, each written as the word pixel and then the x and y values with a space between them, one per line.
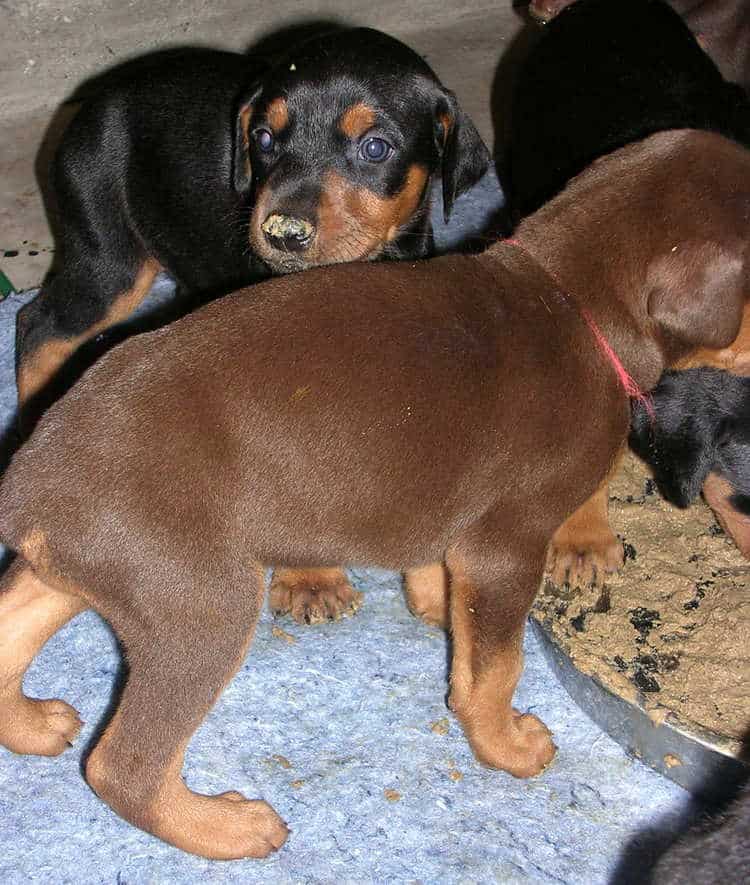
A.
pixel 474 412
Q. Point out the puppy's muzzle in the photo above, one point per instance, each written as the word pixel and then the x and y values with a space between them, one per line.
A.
pixel 287 233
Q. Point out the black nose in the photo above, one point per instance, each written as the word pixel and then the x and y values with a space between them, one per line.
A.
pixel 288 233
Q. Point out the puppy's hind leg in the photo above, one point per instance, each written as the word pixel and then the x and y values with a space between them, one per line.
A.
pixel 490 596
pixel 184 638
pixel 30 613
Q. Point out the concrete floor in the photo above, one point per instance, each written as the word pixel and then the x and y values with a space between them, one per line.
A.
pixel 49 47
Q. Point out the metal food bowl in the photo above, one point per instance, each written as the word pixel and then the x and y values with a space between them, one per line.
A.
pixel 709 765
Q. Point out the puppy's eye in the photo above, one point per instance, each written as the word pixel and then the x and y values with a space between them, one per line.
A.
pixel 375 150
pixel 264 139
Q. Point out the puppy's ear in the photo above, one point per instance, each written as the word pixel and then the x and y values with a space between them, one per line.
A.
pixel 464 155
pixel 697 292
pixel 241 169
pixel 679 441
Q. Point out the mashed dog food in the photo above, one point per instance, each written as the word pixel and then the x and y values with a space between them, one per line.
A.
pixel 671 632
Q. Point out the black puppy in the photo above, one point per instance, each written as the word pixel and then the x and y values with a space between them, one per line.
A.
pixel 198 165
pixel 716 852
pixel 700 426
pixel 605 74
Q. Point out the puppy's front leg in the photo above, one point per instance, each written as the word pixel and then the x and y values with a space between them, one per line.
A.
pixel 584 550
pixel 184 639
pixel 490 598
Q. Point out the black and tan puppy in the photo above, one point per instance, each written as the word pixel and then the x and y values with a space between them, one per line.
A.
pixel 700 425
pixel 197 164
pixel 187 167
pixel 606 73
pixel 402 414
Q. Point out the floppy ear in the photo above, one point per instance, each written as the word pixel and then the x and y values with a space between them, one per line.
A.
pixel 464 155
pixel 698 291
pixel 241 170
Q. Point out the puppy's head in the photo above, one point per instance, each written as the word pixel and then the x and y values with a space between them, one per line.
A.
pixel 701 423
pixel 337 147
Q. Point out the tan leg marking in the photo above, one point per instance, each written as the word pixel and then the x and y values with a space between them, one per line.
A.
pixel 482 693
pixel 585 549
pixel 717 492
pixel 223 827
pixel 30 613
pixel 43 364
pixel 427 593
pixel 313 596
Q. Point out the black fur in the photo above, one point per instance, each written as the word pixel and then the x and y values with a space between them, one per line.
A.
pixel 701 425
pixel 604 74
pixel 714 853
pixel 157 165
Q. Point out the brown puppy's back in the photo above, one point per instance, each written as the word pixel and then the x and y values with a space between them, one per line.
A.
pixel 213 429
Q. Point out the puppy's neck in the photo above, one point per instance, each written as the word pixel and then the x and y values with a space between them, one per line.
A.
pixel 607 288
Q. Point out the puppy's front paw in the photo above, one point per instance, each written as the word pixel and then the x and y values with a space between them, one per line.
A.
pixel 523 746
pixel 312 596
pixel 583 561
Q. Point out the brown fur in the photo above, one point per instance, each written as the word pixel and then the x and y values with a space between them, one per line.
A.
pixel 584 549
pixel 734 359
pixel 717 492
pixel 432 430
